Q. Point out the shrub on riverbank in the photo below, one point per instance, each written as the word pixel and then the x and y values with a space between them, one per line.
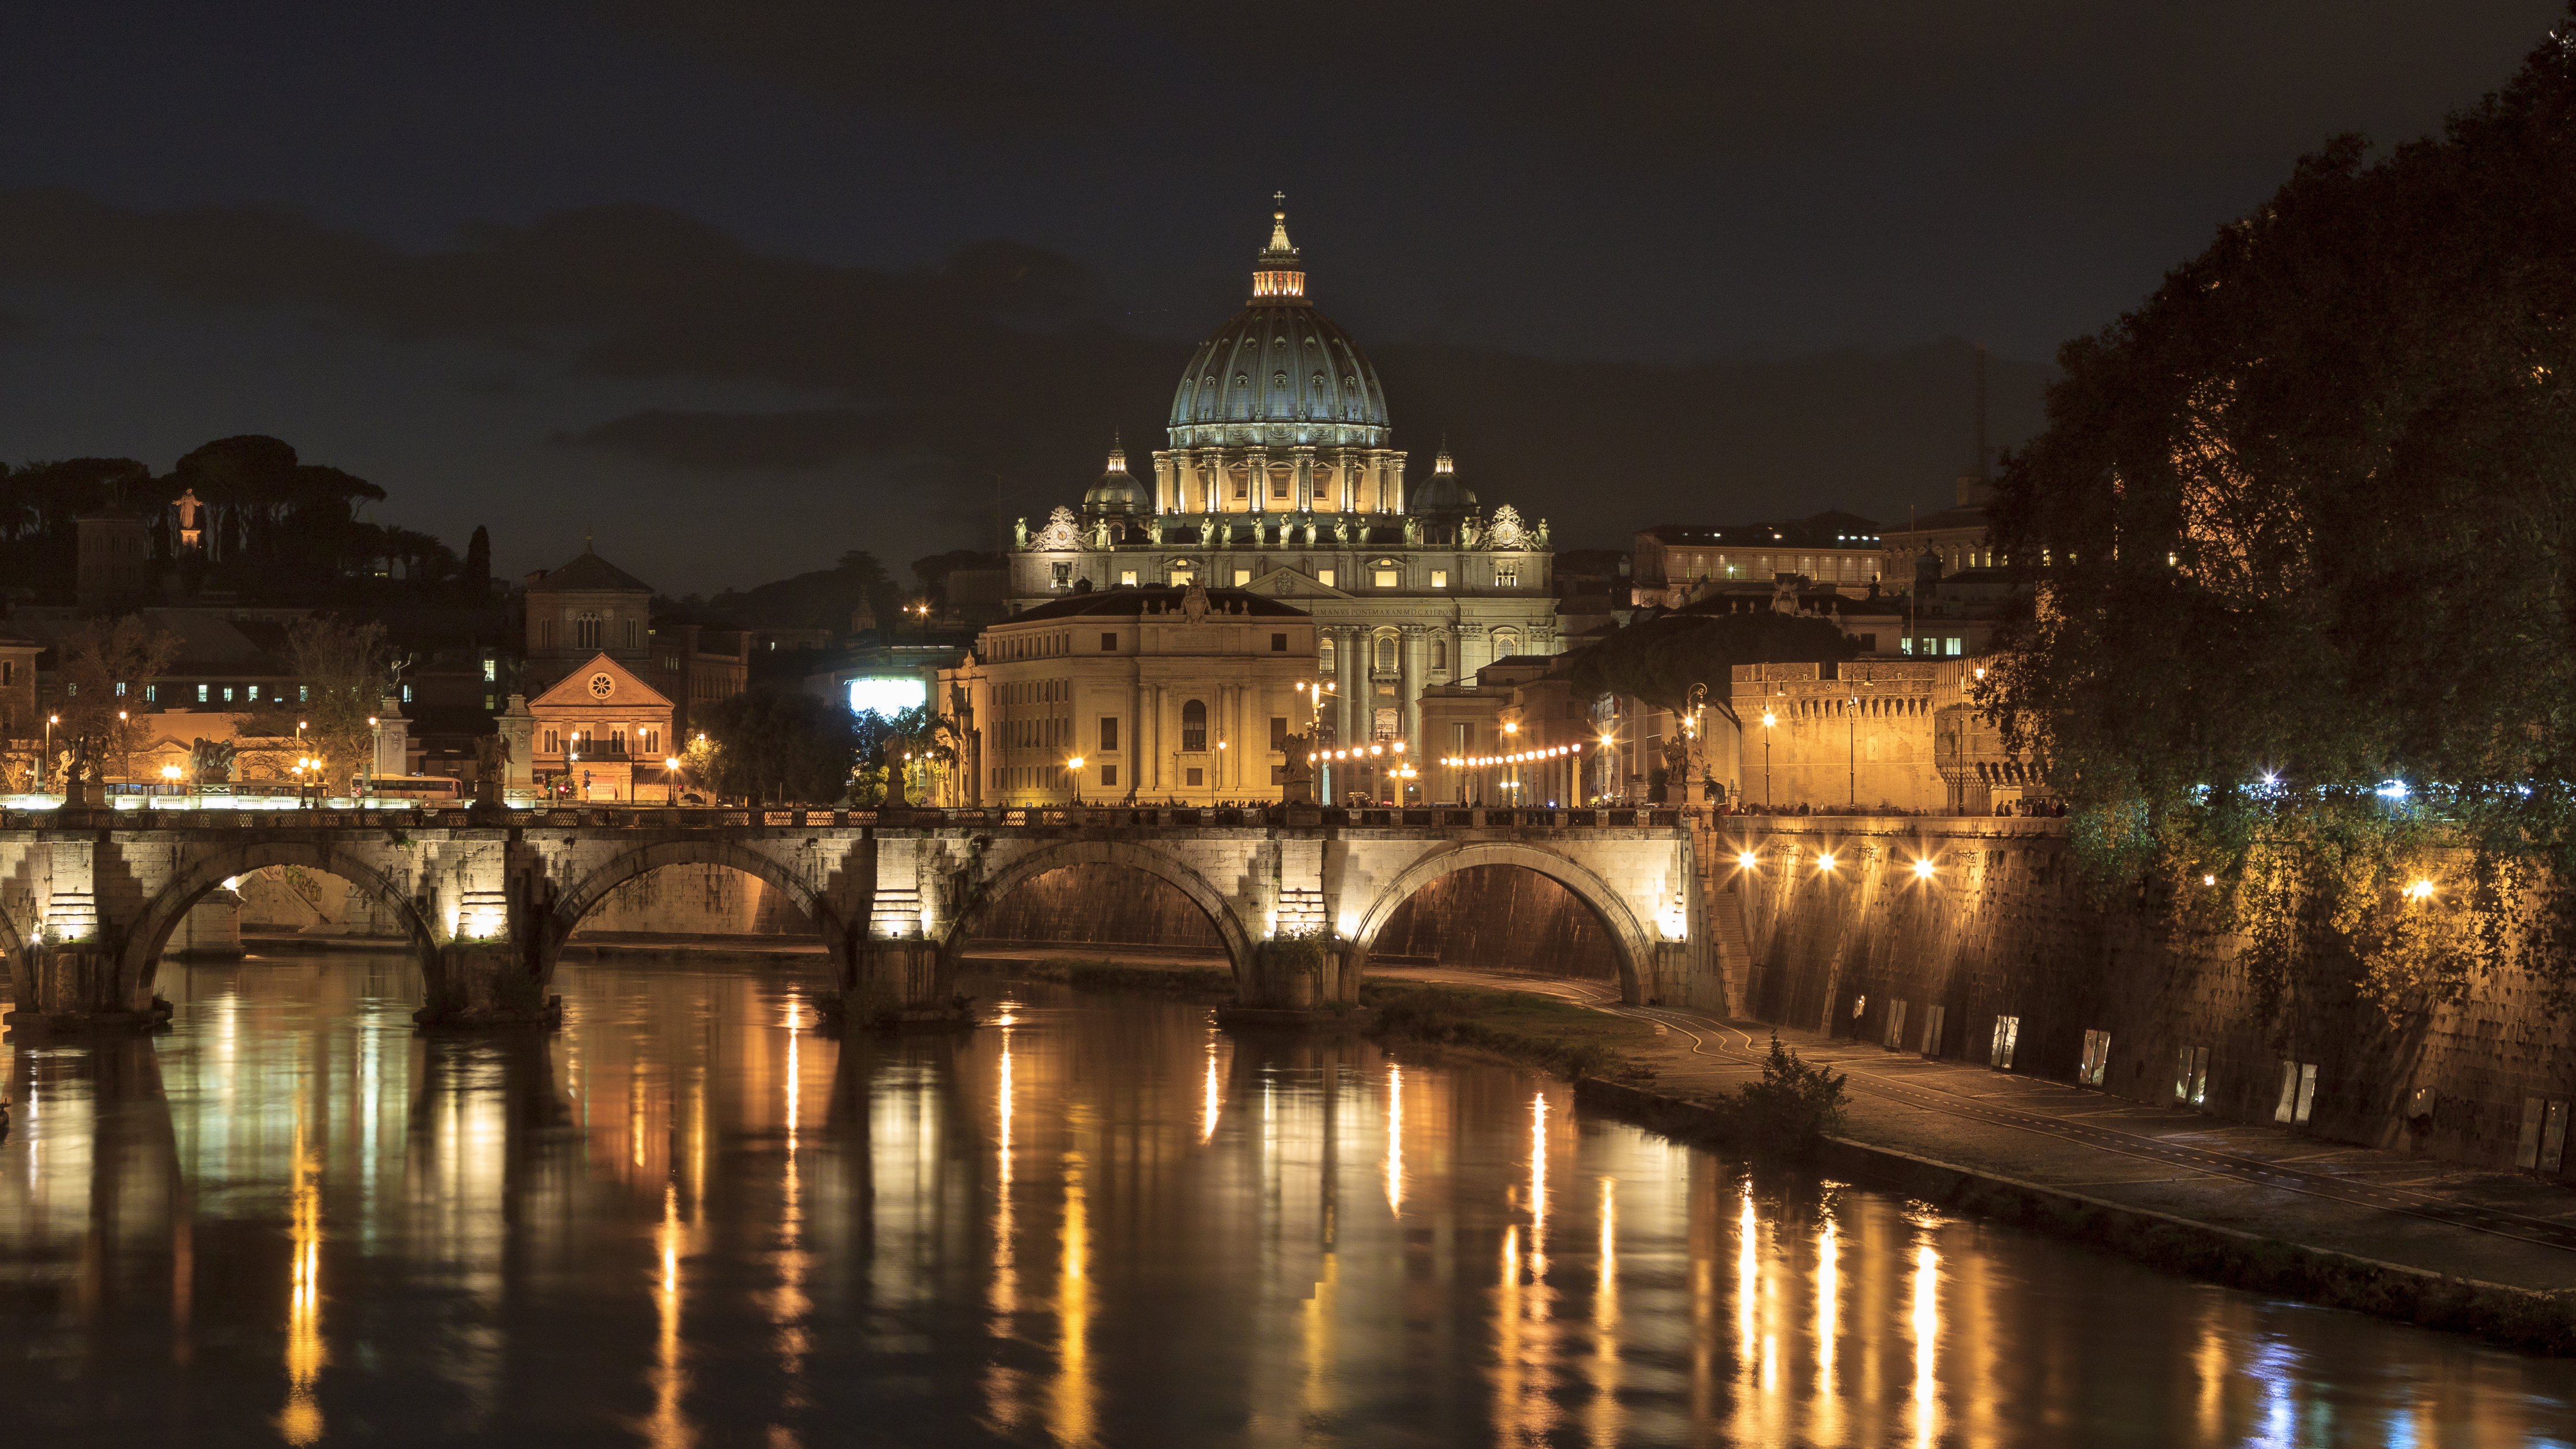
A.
pixel 1791 1110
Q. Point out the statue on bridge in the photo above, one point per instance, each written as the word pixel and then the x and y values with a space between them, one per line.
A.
pixel 210 762
pixel 1297 777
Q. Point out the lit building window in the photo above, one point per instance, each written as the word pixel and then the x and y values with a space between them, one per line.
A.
pixel 1439 578
pixel 1194 729
pixel 1385 578
pixel 1127 578
pixel 1242 577
pixel 490 670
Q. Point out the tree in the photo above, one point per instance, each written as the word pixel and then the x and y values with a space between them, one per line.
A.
pixel 474 585
pixel 916 741
pixel 772 743
pixel 339 664
pixel 106 665
pixel 2301 532
pixel 1659 659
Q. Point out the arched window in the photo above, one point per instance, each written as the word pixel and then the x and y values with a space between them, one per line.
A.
pixel 1439 653
pixel 585 631
pixel 1507 642
pixel 1324 656
pixel 1194 727
pixel 1386 653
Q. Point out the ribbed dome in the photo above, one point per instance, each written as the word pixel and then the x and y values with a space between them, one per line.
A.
pixel 1116 492
pixel 1280 372
pixel 1442 492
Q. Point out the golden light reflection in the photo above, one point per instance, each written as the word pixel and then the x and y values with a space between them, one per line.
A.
pixel 1212 1100
pixel 301 1420
pixel 1606 1418
pixel 1927 1338
pixel 1829 1403
pixel 1006 1272
pixel 1538 1188
pixel 789 1305
pixel 1395 1139
pixel 1073 1407
pixel 668 1428
pixel 1509 1387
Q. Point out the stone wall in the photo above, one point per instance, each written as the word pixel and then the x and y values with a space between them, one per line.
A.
pixel 1500 918
pixel 696 900
pixel 2002 928
pixel 1099 905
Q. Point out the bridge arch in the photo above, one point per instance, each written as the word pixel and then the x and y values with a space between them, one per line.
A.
pixel 1628 937
pixel 1160 865
pixel 835 924
pixel 140 960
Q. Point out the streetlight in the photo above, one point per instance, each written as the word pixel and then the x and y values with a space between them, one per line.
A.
pixel 670 766
pixel 1073 770
pixel 51 720
pixel 1851 742
pixel 1768 720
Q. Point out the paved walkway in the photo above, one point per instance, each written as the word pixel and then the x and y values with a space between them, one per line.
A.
pixel 2495 1227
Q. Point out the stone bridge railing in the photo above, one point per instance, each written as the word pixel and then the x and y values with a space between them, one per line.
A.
pixel 624 817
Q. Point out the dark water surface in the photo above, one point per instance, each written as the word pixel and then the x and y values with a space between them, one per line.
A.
pixel 690 1219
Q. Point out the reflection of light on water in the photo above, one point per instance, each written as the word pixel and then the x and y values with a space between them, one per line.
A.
pixel 1927 1337
pixel 2276 1367
pixel 789 1305
pixel 1748 1279
pixel 2209 1361
pixel 1002 1391
pixel 1538 1188
pixel 1605 1323
pixel 1211 1101
pixel 1074 1406
pixel 301 1422
pixel 1829 1404
pixel 1395 1139
pixel 668 1428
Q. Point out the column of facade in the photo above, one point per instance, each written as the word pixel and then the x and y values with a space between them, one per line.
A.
pixel 1346 648
pixel 1256 479
pixel 1409 655
pixel 1301 483
pixel 1471 650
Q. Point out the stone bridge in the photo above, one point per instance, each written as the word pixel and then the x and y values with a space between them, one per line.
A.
pixel 89 898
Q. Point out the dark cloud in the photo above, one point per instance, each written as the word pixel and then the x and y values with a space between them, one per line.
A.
pixel 991 372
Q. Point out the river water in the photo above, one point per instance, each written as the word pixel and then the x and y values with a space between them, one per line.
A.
pixel 689 1218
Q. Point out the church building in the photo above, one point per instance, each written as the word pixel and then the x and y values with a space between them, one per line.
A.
pixel 1282 480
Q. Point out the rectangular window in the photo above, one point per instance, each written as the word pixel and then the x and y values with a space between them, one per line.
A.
pixel 491 669
pixel 1127 578
pixel 1895 1025
pixel 406 694
pixel 1278 643
pixel 2097 1057
pixel 487 702
pixel 1197 777
pixel 304 694
pixel 1242 577
pixel 1439 578
pixel 1324 577
pixel 545 633
pixel 1385 578
pixel 1954 646
pixel 1462 739
pixel 2191 1076
pixel 1905 645
pixel 1109 774
pixel 120 689
pixel 151 693
pixel 1108 642
pixel 254 694
pixel 1507 578
pixel 228 694
pixel 1278 732
pixel 1183 578
pixel 1108 732
pixel 2007 1033
pixel 2298 1093
pixel 1932 1023
pixel 201 694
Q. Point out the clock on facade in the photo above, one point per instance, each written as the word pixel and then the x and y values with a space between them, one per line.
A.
pixel 602 686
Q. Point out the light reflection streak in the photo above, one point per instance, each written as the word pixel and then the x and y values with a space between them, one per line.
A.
pixel 1073 1408
pixel 789 1304
pixel 301 1420
pixel 1829 1403
pixel 1212 1100
pixel 1605 1324
pixel 1927 1337
pixel 668 1428
pixel 1538 1188
pixel 1395 1139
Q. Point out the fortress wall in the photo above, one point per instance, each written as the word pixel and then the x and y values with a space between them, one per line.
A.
pixel 2004 929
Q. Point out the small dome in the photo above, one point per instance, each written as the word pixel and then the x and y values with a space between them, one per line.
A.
pixel 1441 492
pixel 1116 492
pixel 1280 372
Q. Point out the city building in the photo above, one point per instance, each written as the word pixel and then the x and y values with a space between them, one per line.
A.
pixel 1518 734
pixel 1281 477
pixel 1675 563
pixel 600 735
pixel 1955 535
pixel 1154 692
pixel 586 608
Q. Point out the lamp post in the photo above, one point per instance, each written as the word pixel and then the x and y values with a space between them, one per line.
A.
pixel 1768 720
pixel 170 775
pixel 47 771
pixel 1220 768
pixel 670 767
pixel 1073 773
pixel 1851 744
pixel 375 753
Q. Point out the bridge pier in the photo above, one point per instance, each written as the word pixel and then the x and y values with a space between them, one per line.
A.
pixel 80 986
pixel 902 981
pixel 487 983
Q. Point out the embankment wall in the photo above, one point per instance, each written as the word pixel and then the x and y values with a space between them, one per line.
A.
pixel 2002 928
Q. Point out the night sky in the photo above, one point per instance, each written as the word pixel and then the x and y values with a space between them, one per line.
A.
pixel 742 287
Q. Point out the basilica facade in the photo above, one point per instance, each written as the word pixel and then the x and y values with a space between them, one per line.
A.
pixel 1282 479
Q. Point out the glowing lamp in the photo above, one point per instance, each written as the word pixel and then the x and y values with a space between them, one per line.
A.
pixel 2420 889
pixel 1825 861
pixel 1923 870
pixel 1748 859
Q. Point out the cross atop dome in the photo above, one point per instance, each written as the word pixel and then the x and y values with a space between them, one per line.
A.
pixel 1277 273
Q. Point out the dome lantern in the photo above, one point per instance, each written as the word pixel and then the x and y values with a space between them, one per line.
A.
pixel 1280 373
pixel 1117 491
pixel 1277 274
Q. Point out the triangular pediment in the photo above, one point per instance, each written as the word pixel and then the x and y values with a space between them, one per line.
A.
pixel 626 689
pixel 1288 583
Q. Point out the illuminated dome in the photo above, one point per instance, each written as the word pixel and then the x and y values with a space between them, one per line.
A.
pixel 1116 492
pixel 1442 492
pixel 1280 372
